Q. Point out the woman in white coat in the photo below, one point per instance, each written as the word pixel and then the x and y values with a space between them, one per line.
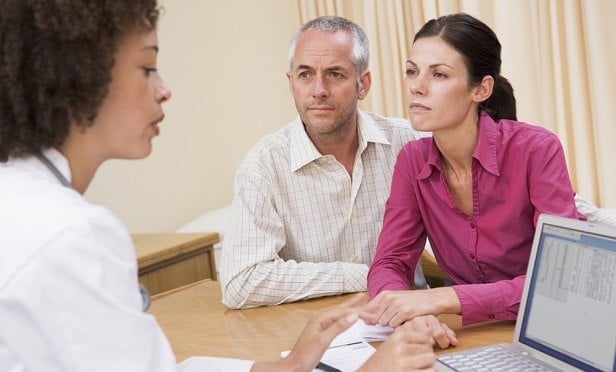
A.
pixel 79 85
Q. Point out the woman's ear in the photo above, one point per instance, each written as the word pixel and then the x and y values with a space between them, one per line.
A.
pixel 483 90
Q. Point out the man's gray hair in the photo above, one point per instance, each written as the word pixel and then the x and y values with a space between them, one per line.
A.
pixel 360 52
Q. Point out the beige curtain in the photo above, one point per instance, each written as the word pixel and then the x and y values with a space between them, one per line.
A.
pixel 558 54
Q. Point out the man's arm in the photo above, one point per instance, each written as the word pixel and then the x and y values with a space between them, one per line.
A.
pixel 252 272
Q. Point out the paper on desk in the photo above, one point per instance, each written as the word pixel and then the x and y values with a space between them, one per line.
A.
pixel 348 357
pixel 362 331
pixel 345 357
pixel 372 333
pixel 350 349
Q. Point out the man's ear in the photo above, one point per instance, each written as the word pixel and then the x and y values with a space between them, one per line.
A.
pixel 365 80
pixel 483 90
pixel 290 79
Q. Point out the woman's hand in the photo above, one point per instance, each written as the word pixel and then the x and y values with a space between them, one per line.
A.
pixel 392 308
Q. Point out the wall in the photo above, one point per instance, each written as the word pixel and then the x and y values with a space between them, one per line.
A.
pixel 225 62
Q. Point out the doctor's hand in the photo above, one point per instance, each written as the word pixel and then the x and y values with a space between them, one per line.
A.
pixel 392 308
pixel 316 337
pixel 441 335
pixel 404 350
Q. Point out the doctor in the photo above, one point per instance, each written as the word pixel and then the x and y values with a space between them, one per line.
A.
pixel 79 85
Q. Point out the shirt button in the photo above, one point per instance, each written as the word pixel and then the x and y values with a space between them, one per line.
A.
pixel 472 256
pixel 491 316
pixel 472 225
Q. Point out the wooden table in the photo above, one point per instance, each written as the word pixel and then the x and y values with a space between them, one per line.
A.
pixel 172 260
pixel 197 323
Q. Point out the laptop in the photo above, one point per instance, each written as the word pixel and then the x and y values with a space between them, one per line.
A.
pixel 567 316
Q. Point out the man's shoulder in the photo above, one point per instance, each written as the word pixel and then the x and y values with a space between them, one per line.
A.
pixel 389 121
pixel 270 151
pixel 396 129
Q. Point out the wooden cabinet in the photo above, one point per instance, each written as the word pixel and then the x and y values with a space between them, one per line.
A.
pixel 171 260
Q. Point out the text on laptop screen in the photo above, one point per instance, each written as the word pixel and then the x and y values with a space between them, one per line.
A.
pixel 571 307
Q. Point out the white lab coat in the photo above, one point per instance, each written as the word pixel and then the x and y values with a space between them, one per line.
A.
pixel 69 296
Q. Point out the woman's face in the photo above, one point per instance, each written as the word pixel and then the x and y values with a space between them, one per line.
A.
pixel 129 116
pixel 436 86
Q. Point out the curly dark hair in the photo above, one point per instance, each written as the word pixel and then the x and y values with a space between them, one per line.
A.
pixel 55 65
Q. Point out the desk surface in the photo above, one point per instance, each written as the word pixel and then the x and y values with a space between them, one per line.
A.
pixel 197 323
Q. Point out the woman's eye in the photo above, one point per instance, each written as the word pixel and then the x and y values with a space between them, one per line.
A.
pixel 410 72
pixel 147 71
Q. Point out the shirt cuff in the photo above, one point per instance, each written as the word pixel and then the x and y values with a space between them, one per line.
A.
pixel 479 302
pixel 355 277
pixel 205 363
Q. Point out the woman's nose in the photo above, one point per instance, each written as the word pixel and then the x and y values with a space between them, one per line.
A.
pixel 417 85
pixel 163 92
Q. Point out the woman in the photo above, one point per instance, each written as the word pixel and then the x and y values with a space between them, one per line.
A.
pixel 79 85
pixel 475 189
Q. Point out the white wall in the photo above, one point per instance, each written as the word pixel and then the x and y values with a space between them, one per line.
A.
pixel 225 62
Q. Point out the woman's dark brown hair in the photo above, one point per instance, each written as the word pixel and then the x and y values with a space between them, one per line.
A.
pixel 55 65
pixel 481 51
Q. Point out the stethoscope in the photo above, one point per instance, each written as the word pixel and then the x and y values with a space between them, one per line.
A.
pixel 146 301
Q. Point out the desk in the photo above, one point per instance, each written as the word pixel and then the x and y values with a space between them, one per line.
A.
pixel 197 323
pixel 171 260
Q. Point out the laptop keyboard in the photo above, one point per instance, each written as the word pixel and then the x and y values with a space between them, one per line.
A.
pixel 493 358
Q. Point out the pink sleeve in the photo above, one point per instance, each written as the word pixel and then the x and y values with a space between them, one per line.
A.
pixel 402 238
pixel 549 183
pixel 490 301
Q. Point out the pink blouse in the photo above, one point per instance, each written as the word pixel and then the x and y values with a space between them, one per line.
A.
pixel 519 171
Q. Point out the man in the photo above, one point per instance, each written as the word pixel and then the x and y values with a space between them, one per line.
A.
pixel 309 199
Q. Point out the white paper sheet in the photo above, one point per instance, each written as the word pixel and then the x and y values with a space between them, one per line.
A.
pixel 350 349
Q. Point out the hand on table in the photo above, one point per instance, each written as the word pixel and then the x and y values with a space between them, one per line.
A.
pixel 440 334
pixel 316 337
pixel 392 308
pixel 405 350
pixel 418 309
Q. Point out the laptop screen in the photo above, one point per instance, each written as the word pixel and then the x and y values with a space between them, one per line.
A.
pixel 570 309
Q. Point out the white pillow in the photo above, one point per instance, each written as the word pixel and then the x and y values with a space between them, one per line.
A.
pixel 604 216
pixel 215 220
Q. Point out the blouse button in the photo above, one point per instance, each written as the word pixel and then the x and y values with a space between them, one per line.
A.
pixel 472 225
pixel 472 256
pixel 491 316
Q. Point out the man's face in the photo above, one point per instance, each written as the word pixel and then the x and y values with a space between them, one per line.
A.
pixel 324 82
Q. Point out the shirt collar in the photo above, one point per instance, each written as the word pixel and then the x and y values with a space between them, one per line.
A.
pixel 485 150
pixel 59 161
pixel 304 152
